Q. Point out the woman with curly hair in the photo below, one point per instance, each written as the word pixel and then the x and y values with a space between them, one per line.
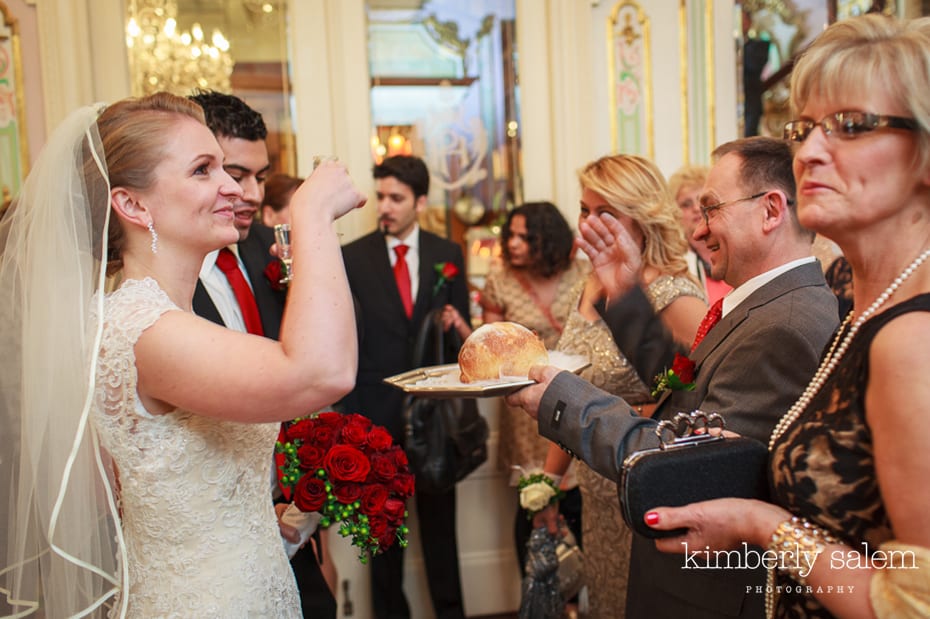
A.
pixel 632 190
pixel 531 285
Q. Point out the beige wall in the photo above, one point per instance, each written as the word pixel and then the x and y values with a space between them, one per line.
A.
pixel 26 15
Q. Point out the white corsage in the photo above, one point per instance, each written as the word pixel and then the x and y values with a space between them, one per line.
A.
pixel 537 491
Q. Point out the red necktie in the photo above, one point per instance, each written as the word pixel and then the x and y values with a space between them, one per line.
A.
pixel 711 318
pixel 228 264
pixel 402 275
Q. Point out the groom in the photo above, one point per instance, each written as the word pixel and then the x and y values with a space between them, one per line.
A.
pixel 233 289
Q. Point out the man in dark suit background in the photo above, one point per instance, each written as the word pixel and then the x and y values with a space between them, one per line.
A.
pixel 388 325
pixel 241 133
pixel 750 367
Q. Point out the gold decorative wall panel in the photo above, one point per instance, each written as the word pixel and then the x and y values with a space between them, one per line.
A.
pixel 14 152
pixel 630 80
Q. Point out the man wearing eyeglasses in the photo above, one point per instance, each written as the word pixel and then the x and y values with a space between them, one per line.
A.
pixel 750 365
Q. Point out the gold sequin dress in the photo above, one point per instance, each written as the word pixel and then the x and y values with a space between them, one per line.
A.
pixel 605 536
pixel 520 443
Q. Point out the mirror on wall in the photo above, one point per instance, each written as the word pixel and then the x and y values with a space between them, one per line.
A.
pixel 772 34
pixel 236 46
pixel 444 88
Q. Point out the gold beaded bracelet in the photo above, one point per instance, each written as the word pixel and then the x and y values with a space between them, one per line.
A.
pixel 792 538
pixel 795 537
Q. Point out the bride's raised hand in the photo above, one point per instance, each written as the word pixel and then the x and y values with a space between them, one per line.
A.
pixel 329 190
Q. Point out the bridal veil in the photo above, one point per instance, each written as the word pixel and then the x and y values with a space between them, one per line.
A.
pixel 60 538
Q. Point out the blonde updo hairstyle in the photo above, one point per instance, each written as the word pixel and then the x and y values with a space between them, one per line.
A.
pixel 856 56
pixel 134 133
pixel 636 188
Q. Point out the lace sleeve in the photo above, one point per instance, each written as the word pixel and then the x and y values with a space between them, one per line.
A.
pixel 129 311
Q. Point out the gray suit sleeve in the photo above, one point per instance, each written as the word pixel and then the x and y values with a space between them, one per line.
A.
pixel 640 334
pixel 593 425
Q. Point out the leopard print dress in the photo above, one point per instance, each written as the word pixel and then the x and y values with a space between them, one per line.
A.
pixel 823 466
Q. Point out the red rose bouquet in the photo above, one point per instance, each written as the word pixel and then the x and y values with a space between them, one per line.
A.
pixel 352 473
pixel 679 378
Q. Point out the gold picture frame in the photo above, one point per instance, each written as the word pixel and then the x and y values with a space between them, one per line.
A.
pixel 14 149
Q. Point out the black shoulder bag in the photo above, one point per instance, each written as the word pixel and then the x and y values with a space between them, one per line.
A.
pixel 445 439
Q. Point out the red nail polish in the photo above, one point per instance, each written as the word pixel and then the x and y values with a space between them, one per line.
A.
pixel 652 518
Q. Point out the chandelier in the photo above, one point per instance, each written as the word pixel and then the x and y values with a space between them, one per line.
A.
pixel 162 58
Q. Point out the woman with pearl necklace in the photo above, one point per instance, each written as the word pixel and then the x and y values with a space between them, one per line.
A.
pixel 849 519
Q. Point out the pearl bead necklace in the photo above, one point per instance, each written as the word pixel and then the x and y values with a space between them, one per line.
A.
pixel 839 348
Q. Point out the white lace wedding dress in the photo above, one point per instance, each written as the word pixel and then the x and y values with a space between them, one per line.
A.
pixel 196 506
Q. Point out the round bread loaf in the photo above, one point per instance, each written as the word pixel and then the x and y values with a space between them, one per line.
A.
pixel 500 349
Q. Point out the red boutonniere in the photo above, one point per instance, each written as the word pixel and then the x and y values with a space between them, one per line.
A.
pixel 274 272
pixel 446 272
pixel 679 378
pixel 350 471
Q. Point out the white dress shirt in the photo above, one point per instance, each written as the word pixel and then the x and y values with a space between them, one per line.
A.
pixel 221 293
pixel 412 258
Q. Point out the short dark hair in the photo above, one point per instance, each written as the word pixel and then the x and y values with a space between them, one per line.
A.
pixel 765 163
pixel 409 170
pixel 229 116
pixel 550 238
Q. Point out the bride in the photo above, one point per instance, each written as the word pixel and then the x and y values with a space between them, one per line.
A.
pixel 141 435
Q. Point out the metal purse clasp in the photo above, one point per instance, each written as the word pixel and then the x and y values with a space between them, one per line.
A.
pixel 688 429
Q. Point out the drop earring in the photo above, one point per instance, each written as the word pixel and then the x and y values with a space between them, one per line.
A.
pixel 154 238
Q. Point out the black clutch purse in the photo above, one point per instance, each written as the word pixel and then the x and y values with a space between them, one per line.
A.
pixel 689 467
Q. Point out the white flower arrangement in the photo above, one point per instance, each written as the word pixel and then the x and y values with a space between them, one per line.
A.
pixel 537 491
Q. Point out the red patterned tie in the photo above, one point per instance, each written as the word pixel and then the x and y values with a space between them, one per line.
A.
pixel 402 275
pixel 228 264
pixel 711 318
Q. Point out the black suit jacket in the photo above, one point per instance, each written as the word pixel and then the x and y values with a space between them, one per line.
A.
pixel 386 335
pixel 253 252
